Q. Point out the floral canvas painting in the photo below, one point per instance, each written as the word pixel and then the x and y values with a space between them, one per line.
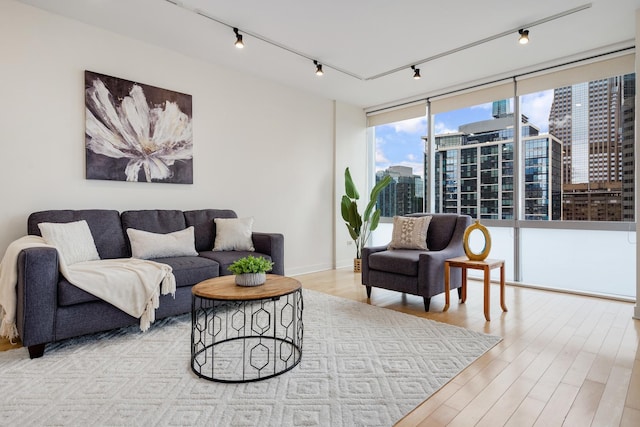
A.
pixel 137 132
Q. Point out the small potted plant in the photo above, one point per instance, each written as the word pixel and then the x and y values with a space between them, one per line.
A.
pixel 250 270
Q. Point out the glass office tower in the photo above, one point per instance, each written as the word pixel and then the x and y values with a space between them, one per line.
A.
pixel 594 121
pixel 405 193
pixel 474 169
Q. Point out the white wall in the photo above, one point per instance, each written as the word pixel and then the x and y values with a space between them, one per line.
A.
pixel 261 149
pixel 351 152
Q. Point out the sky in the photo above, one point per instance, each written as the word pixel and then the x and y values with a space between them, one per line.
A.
pixel 401 143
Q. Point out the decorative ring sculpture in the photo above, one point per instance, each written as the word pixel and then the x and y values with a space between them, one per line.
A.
pixel 487 242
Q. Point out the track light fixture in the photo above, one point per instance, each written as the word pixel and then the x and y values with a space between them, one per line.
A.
pixel 524 36
pixel 416 72
pixel 318 65
pixel 239 44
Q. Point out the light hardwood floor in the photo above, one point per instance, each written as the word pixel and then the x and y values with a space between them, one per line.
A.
pixel 564 360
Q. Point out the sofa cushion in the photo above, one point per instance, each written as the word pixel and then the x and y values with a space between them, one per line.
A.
pixel 147 245
pixel 187 270
pixel 153 220
pixel 190 270
pixel 233 234
pixel 69 294
pixel 205 229
pixel 400 261
pixel 226 258
pixel 105 226
pixel 73 240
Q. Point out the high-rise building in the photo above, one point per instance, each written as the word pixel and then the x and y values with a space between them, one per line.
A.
pixel 474 169
pixel 628 144
pixel 404 195
pixel 594 121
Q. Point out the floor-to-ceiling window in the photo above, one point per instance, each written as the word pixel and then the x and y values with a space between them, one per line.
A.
pixel 399 153
pixel 546 161
pixel 590 246
pixel 473 152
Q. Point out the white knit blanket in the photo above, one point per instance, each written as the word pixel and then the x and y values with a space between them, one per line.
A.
pixel 129 284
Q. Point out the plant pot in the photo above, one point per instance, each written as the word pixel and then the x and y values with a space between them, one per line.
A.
pixel 251 279
pixel 357 265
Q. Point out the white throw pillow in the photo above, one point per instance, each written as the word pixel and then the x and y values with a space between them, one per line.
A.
pixel 147 245
pixel 233 234
pixel 410 232
pixel 73 240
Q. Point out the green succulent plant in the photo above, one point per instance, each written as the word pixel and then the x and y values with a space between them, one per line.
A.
pixel 361 226
pixel 251 264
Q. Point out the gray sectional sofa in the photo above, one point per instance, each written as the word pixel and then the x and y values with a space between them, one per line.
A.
pixel 50 309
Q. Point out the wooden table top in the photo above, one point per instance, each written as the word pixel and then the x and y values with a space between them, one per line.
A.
pixel 225 288
pixel 463 261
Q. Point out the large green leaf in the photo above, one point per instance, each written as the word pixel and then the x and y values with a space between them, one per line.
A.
pixel 352 232
pixel 375 192
pixel 344 207
pixel 375 219
pixel 355 221
pixel 349 186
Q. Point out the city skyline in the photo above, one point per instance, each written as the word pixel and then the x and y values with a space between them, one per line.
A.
pixel 402 144
pixel 474 170
pixel 591 124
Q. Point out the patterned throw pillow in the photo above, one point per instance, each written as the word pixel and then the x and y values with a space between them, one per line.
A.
pixel 410 232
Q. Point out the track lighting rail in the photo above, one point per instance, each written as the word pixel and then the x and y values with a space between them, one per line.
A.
pixel 483 41
pixel 412 65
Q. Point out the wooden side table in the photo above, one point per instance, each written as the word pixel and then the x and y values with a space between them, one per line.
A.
pixel 486 266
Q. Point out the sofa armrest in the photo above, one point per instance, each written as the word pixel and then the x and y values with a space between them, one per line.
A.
pixel 37 295
pixel 271 244
pixel 366 251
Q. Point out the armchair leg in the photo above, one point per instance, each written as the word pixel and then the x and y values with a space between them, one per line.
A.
pixel 460 293
pixel 368 291
pixel 427 303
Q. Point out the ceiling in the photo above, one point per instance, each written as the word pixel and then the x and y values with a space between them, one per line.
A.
pixel 366 38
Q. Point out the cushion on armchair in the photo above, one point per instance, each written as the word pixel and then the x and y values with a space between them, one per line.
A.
pixel 410 233
pixel 400 261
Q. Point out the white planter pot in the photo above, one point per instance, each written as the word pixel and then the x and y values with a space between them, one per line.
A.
pixel 251 279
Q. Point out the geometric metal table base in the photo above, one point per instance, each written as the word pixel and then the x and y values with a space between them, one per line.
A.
pixel 236 341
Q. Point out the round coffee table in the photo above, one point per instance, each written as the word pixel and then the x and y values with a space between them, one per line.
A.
pixel 242 334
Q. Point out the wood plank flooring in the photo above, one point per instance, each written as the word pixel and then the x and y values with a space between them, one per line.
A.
pixel 564 360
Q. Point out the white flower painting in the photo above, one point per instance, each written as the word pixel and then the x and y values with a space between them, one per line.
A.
pixel 137 132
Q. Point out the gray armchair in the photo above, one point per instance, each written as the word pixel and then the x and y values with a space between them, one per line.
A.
pixel 418 272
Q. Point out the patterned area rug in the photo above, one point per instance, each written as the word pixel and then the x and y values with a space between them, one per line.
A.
pixel 361 366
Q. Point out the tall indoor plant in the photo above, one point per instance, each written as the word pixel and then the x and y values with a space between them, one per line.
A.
pixel 360 226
